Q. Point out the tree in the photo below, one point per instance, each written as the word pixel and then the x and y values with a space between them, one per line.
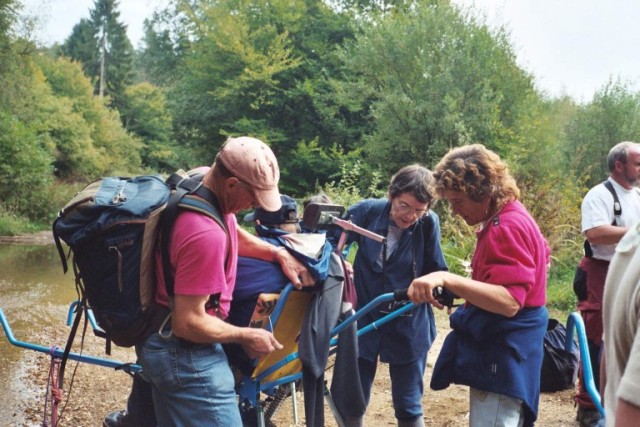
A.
pixel 429 78
pixel 146 117
pixel 611 117
pixel 250 68
pixel 88 137
pixel 230 73
pixel 102 46
pixel 7 18
pixel 163 49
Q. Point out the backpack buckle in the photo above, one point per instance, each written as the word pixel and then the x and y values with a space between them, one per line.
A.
pixel 189 184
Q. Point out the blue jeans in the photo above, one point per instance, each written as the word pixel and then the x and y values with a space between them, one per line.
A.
pixel 493 409
pixel 407 385
pixel 192 383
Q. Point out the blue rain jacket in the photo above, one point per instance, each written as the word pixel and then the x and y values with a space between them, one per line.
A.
pixel 405 339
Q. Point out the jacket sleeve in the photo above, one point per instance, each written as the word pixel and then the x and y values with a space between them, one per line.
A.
pixel 434 258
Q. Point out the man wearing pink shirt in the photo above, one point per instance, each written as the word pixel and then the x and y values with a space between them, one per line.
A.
pixel 185 363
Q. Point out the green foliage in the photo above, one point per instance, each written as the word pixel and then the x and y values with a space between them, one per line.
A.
pixel 88 137
pixel 82 46
pixel 145 115
pixel 12 224
pixel 560 295
pixel 611 117
pixel 25 171
pixel 308 162
pixel 458 241
pixel 345 191
pixel 7 18
pixel 431 77
pixel 230 72
pixel 159 59
pixel 251 68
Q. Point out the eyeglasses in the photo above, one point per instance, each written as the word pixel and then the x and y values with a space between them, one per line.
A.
pixel 405 209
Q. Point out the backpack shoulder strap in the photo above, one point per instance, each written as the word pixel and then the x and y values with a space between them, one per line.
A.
pixel 189 193
pixel 617 209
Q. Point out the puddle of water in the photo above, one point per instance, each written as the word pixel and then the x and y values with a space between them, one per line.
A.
pixel 34 296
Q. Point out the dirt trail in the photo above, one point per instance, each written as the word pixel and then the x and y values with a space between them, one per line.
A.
pixel 97 390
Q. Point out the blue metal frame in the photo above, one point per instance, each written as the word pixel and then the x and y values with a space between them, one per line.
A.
pixel 574 322
pixel 57 352
pixel 250 388
pixel 92 319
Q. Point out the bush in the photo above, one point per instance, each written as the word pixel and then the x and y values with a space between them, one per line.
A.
pixel 346 191
pixel 12 225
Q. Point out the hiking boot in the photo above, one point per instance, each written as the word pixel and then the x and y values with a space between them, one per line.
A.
pixel 120 419
pixel 587 417
pixel 113 419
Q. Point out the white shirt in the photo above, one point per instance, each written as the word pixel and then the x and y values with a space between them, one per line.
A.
pixel 597 210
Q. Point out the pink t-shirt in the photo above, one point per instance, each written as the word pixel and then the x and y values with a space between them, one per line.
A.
pixel 512 252
pixel 198 251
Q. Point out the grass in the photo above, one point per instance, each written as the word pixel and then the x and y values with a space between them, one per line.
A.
pixel 12 225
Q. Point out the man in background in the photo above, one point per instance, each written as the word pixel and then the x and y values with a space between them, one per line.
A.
pixel 603 229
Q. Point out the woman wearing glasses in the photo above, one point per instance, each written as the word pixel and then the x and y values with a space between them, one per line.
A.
pixel 496 346
pixel 412 249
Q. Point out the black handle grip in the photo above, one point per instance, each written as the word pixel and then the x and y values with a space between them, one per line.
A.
pixel 401 294
pixel 438 292
pixel 444 296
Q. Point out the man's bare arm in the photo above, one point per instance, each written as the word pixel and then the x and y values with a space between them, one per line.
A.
pixel 605 234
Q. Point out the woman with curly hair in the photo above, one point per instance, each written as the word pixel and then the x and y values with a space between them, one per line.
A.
pixel 496 346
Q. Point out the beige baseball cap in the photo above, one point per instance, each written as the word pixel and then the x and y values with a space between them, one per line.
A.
pixel 253 162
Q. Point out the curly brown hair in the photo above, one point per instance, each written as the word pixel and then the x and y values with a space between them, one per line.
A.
pixel 478 172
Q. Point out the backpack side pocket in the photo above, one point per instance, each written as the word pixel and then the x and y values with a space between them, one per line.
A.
pixel 580 283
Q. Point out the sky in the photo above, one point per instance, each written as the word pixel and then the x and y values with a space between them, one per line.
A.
pixel 571 47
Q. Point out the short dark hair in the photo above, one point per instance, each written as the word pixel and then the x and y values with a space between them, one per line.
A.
pixel 415 180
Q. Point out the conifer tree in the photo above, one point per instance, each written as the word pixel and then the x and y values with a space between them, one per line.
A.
pixel 101 44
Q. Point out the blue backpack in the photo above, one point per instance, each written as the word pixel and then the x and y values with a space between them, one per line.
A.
pixel 112 227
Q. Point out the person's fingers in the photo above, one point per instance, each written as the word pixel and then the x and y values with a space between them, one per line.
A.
pixel 297 283
pixel 276 344
pixel 411 293
pixel 307 278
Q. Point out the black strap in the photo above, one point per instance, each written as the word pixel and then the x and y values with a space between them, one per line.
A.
pixel 80 308
pixel 56 239
pixel 188 193
pixel 617 212
pixel 617 209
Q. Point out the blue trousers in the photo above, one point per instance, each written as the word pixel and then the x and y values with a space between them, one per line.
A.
pixel 407 385
pixel 192 384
